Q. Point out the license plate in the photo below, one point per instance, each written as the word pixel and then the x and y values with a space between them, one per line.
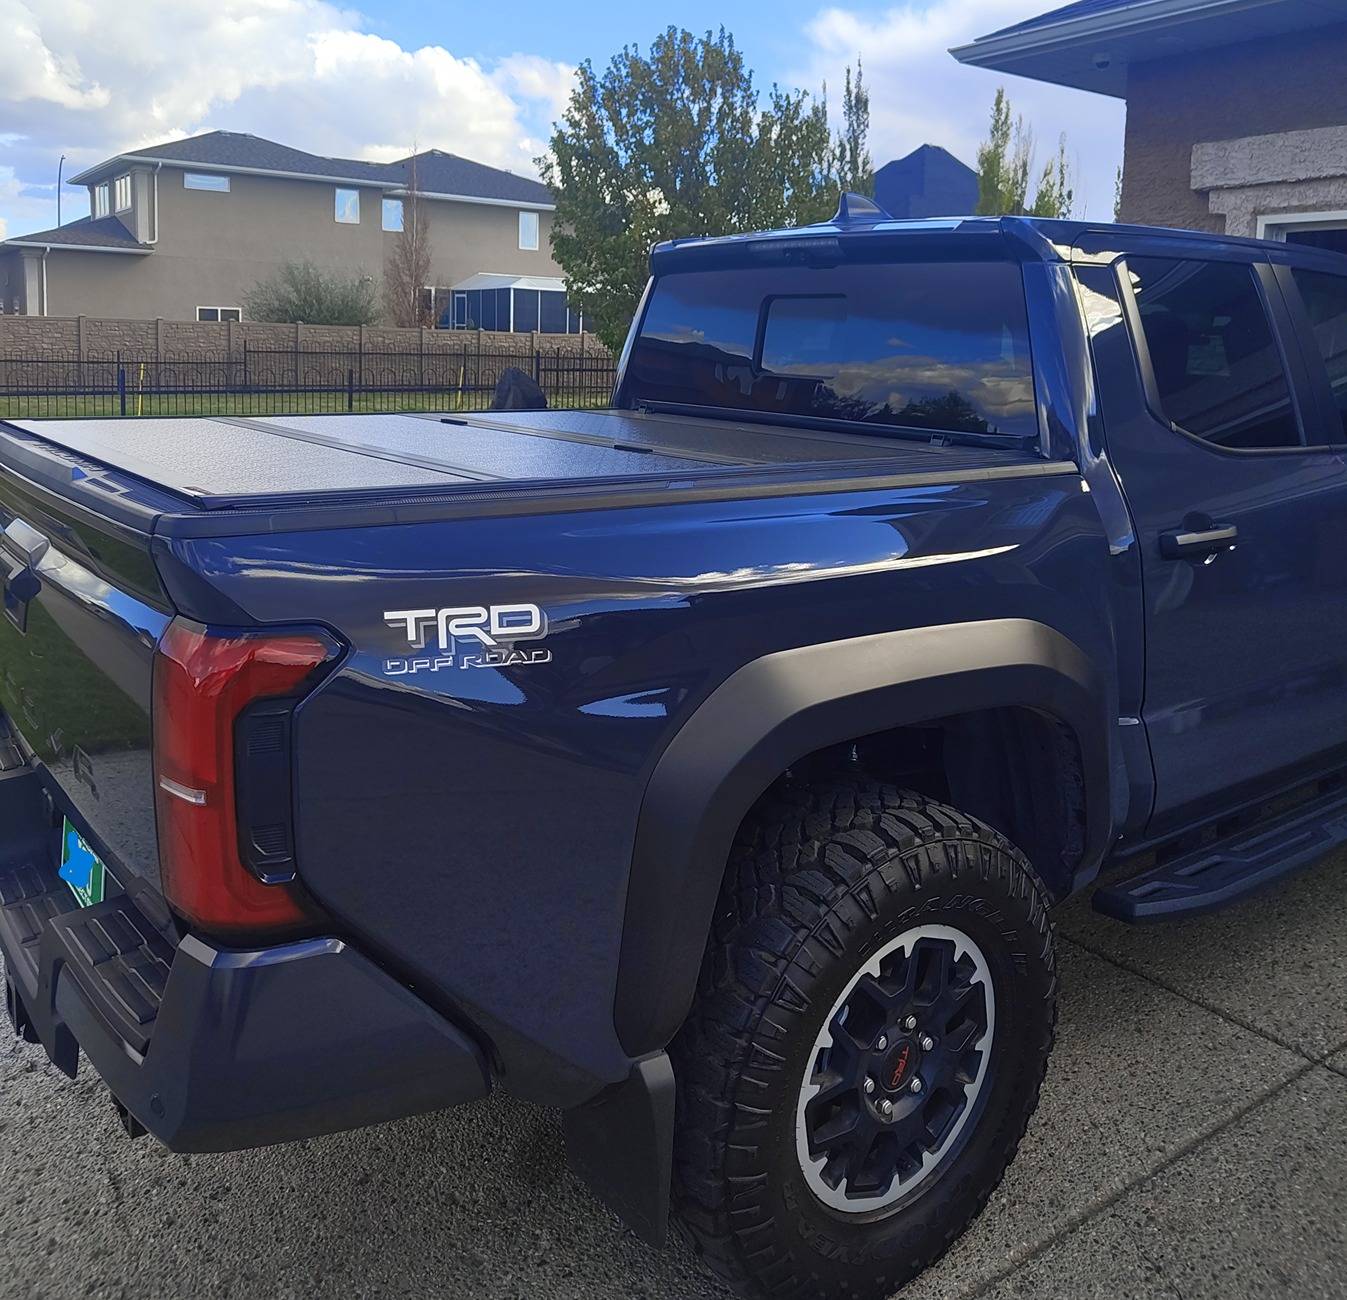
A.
pixel 81 868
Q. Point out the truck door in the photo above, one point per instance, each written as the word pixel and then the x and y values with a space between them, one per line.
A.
pixel 1238 491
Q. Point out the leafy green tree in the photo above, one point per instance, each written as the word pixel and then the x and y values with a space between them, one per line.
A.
pixel 1056 195
pixel 1003 161
pixel 302 292
pixel 1005 164
pixel 680 142
pixel 851 153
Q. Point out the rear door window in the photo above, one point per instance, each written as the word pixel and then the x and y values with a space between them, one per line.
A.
pixel 1325 297
pixel 940 345
pixel 1218 369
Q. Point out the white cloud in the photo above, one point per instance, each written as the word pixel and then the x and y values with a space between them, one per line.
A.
pixel 919 94
pixel 79 79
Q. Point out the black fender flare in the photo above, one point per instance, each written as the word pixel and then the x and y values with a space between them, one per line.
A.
pixel 774 711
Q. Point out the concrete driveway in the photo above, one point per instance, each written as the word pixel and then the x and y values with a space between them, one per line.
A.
pixel 1192 1141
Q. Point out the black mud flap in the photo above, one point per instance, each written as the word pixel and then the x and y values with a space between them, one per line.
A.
pixel 621 1144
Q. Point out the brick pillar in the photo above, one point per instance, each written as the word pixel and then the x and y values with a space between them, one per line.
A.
pixel 159 338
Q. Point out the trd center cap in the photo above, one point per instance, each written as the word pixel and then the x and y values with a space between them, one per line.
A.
pixel 899 1065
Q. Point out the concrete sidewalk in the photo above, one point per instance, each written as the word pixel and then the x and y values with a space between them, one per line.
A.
pixel 1192 1141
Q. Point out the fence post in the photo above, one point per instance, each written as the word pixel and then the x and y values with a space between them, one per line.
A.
pixel 537 366
pixel 121 385
pixel 245 364
pixel 350 388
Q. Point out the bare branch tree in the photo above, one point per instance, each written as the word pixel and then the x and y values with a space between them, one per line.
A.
pixel 407 266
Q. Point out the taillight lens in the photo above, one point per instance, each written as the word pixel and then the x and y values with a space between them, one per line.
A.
pixel 202 682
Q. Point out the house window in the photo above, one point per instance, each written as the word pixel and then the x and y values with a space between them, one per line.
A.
pixel 101 201
pixel 392 214
pixel 218 313
pixel 528 231
pixel 348 207
pixel 121 194
pixel 205 181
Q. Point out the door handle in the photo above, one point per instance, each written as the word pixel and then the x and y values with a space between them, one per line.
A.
pixel 1188 544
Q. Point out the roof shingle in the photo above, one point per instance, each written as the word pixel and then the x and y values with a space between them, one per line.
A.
pixel 106 232
pixel 1080 9
pixel 437 172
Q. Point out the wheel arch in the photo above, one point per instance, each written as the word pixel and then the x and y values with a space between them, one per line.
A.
pixel 773 712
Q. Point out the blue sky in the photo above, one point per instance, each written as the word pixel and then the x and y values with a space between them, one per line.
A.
pixel 486 81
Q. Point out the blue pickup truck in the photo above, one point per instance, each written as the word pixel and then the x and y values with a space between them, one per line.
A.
pixel 707 766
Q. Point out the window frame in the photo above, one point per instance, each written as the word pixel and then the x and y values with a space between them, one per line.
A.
pixel 537 230
pixel 1038 338
pixel 219 319
pixel 384 205
pixel 337 192
pixel 206 182
pixel 117 204
pixel 1279 321
pixel 102 201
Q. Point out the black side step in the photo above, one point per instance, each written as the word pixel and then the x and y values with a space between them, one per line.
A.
pixel 1219 874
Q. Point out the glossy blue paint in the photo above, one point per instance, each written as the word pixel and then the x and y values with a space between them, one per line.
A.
pixel 467 818
pixel 472 829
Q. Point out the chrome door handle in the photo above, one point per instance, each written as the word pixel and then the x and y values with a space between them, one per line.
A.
pixel 1186 544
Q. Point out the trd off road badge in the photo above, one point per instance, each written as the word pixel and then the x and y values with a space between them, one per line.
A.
pixel 468 636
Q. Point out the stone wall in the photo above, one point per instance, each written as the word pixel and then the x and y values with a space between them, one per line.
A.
pixel 85 338
pixel 1177 105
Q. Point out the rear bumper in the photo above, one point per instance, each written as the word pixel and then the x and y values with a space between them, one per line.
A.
pixel 214 1049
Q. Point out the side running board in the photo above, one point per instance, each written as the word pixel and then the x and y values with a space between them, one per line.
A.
pixel 1225 872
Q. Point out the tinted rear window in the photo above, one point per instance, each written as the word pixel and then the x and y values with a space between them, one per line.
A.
pixel 919 345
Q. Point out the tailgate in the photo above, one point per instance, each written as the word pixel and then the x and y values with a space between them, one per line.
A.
pixel 82 613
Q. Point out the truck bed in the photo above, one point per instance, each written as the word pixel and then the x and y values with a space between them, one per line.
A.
pixel 218 463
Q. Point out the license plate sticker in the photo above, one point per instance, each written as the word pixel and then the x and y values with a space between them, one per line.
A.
pixel 81 868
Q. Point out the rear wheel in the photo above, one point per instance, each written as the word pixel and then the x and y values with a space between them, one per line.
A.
pixel 873 1022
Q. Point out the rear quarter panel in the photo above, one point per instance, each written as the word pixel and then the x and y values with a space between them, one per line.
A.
pixel 474 826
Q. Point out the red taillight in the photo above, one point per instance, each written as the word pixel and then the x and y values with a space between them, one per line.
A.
pixel 202 682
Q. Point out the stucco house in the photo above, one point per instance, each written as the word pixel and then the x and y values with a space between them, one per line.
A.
pixel 183 230
pixel 1236 109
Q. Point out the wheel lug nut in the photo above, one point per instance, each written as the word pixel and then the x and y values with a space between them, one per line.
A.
pixel 886 1108
pixel 882 1044
pixel 915 1085
pixel 910 1022
pixel 927 1042
pixel 869 1086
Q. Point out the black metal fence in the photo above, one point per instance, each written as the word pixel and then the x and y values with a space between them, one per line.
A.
pixel 276 382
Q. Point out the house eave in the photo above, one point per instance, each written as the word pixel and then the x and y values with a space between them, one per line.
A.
pixel 228 169
pixel 1093 51
pixel 527 205
pixel 51 246
pixel 394 189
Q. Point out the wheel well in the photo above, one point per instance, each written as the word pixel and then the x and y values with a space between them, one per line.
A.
pixel 1016 769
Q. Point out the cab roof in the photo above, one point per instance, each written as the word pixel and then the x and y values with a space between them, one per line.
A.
pixel 861 228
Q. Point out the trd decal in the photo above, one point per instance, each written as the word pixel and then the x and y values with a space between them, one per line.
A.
pixel 467 636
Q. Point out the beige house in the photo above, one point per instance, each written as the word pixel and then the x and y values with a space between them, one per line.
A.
pixel 1236 109
pixel 183 230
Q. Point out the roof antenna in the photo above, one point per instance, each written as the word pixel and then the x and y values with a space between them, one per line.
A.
pixel 855 210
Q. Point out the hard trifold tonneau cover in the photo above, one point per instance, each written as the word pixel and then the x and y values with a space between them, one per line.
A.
pixel 221 462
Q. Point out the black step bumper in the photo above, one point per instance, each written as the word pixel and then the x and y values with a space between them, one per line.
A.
pixel 215 1049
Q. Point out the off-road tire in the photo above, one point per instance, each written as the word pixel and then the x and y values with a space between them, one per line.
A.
pixel 821 876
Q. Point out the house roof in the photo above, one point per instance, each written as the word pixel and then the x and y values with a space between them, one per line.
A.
pixel 1090 44
pixel 1078 10
pixel 438 173
pixel 928 182
pixel 489 280
pixel 107 235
